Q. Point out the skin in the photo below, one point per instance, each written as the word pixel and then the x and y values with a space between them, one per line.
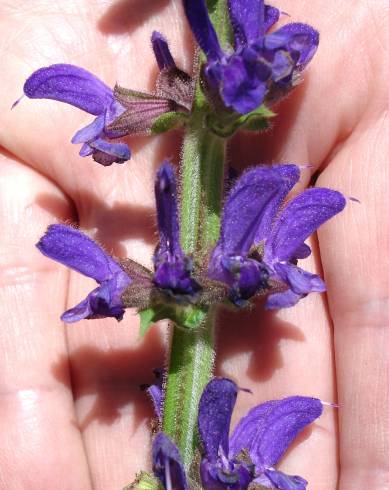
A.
pixel 71 413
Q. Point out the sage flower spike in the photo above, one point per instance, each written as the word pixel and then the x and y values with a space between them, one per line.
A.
pixel 260 65
pixel 257 443
pixel 80 88
pixel 76 250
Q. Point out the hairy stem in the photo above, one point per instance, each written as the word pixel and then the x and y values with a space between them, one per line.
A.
pixel 191 363
pixel 192 352
pixel 201 191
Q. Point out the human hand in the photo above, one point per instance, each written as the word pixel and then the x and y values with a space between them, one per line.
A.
pixel 93 431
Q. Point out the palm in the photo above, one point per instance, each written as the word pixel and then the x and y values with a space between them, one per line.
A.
pixel 71 412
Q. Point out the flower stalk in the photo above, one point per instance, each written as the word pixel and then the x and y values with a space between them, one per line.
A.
pixel 192 352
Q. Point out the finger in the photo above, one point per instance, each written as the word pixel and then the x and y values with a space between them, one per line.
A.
pixel 41 444
pixel 354 250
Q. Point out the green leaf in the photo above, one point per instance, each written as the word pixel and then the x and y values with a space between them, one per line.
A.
pixel 192 316
pixel 256 124
pixel 153 314
pixel 168 121
pixel 225 125
pixel 189 316
pixel 144 481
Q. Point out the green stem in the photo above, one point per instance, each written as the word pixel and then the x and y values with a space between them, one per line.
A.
pixel 192 351
pixel 201 187
pixel 201 191
pixel 191 363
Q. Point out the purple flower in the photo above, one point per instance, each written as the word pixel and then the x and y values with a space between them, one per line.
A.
pixel 261 240
pixel 78 87
pixel 172 268
pixel 249 455
pixel 167 464
pixel 260 65
pixel 127 284
pixel 76 250
pixel 258 442
pixel 118 112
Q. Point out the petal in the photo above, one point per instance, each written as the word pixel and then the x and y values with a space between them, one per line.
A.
pixel 102 302
pixel 86 150
pixel 161 51
pixel 167 214
pixel 286 299
pixel 224 475
pixel 302 252
pixel 202 28
pixel 300 281
pixel 282 66
pixel 300 218
pixel 248 277
pixel 107 153
pixel 270 428
pixel 242 89
pixel 246 430
pixel 272 15
pixel 173 275
pixel 172 268
pixel 276 40
pixel 91 131
pixel 286 482
pixel 76 250
pixel 70 84
pixel 290 175
pixel 112 113
pixel 155 391
pixel 302 39
pixel 78 312
pixel 215 409
pixel 247 19
pixel 167 464
pixel 252 204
